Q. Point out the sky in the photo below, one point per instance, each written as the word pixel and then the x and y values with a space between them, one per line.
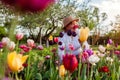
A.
pixel 110 7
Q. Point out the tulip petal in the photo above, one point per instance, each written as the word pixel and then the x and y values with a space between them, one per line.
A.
pixel 24 58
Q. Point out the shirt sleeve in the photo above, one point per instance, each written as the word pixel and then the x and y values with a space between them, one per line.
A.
pixel 61 48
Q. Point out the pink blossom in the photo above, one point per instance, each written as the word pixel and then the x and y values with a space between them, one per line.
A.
pixel 19 36
pixel 71 47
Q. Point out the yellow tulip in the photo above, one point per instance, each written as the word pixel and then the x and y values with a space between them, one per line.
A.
pixel 50 37
pixel 84 32
pixel 108 46
pixel 62 71
pixel 15 61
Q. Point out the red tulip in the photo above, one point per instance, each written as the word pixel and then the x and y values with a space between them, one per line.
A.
pixel 70 62
pixel 29 5
pixel 117 52
pixel 9 2
pixel 56 39
pixel 104 69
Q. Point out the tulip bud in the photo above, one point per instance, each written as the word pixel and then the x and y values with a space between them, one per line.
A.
pixel 47 57
pixel 93 59
pixel 19 36
pixel 70 62
pixel 62 71
pixel 1 45
pixel 110 41
pixel 50 38
pixel 84 57
pixel 15 61
pixel 101 48
pixel 11 45
pixel 84 34
pixel 30 43
pixel 25 48
pixel 56 39
pixel 104 69
pixel 5 41
pixel 40 47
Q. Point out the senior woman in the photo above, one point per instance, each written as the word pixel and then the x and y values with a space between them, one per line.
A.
pixel 69 38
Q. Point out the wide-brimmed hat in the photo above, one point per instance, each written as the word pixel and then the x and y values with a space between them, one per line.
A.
pixel 68 20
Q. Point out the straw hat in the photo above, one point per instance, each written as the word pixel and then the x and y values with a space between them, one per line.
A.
pixel 68 20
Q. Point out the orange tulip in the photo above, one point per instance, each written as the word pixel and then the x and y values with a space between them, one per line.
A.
pixel 15 61
pixel 84 34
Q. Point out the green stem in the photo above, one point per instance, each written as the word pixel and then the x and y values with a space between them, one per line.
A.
pixel 79 67
pixel 17 45
pixel 27 77
pixel 16 76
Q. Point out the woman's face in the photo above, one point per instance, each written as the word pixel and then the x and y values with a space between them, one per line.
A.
pixel 71 25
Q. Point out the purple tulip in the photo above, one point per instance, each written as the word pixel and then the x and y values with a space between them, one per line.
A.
pixel 89 51
pixel 47 57
pixel 110 41
pixel 1 45
pixel 40 47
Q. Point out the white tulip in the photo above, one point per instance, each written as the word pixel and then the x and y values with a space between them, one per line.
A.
pixel 101 48
pixel 109 59
pixel 100 54
pixel 93 59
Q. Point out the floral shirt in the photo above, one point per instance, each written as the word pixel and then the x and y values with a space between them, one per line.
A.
pixel 69 43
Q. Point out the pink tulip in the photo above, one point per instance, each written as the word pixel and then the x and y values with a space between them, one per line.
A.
pixel 40 47
pixel 47 57
pixel 30 43
pixel 5 41
pixel 19 36
pixel 25 48
pixel 11 45
pixel 117 52
pixel 84 57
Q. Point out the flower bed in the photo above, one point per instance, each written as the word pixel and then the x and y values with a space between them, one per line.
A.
pixel 30 61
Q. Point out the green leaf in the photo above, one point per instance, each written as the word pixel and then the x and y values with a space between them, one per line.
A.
pixel 39 76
